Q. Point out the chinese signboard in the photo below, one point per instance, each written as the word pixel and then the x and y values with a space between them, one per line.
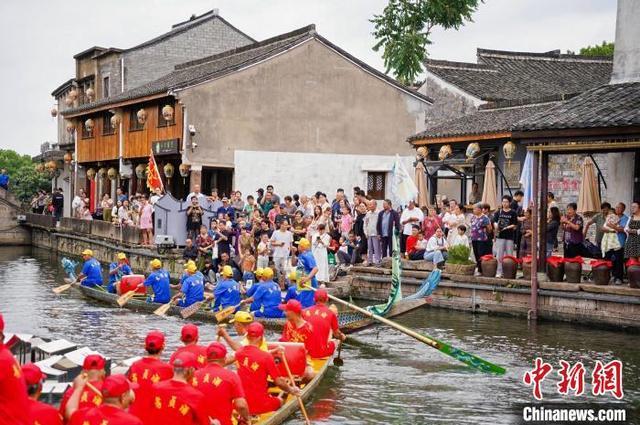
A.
pixel 166 147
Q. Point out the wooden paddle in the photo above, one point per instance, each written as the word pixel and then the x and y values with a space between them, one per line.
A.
pixel 163 309
pixel 293 382
pixel 338 360
pixel 225 313
pixel 460 355
pixel 123 299
pixel 69 283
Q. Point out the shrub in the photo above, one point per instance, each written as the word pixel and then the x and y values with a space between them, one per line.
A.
pixel 459 254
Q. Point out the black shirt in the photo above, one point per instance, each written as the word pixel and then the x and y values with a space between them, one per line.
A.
pixel 57 199
pixel 505 219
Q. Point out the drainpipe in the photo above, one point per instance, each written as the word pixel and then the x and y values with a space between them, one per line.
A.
pixel 536 243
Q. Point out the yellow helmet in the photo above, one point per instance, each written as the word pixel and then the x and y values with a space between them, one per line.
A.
pixel 267 273
pixel 87 252
pixel 191 268
pixel 259 272
pixel 293 275
pixel 242 317
pixel 155 263
pixel 121 256
pixel 227 271
pixel 304 243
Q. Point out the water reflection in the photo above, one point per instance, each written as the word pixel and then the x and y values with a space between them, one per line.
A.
pixel 387 377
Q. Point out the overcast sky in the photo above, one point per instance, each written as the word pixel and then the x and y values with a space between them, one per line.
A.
pixel 39 38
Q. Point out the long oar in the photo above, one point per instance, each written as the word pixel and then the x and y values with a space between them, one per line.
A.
pixel 69 283
pixel 163 309
pixel 460 355
pixel 338 360
pixel 224 313
pixel 293 382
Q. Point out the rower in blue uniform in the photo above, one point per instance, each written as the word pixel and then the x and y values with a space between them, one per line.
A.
pixel 192 289
pixel 116 270
pixel 292 286
pixel 91 274
pixel 307 270
pixel 158 280
pixel 266 298
pixel 227 292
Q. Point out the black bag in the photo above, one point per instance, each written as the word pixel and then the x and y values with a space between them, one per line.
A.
pixel 590 250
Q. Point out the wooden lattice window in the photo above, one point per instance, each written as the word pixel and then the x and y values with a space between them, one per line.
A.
pixel 376 184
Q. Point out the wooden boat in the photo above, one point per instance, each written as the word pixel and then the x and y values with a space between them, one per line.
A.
pixel 290 405
pixel 349 321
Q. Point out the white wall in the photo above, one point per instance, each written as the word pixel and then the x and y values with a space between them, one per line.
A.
pixel 306 173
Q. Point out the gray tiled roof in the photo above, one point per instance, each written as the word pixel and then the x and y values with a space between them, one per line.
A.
pixel 494 120
pixel 502 75
pixel 611 105
pixel 204 69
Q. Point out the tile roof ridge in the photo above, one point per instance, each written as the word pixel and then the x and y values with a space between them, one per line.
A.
pixel 550 55
pixel 308 29
pixel 528 101
pixel 447 64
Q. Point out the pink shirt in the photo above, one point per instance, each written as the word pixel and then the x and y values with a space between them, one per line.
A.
pixel 345 223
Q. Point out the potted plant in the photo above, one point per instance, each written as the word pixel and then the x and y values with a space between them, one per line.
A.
pixel 458 261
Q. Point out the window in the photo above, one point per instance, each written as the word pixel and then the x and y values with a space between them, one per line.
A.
pixel 134 125
pixel 376 184
pixel 86 133
pixel 105 87
pixel 161 121
pixel 107 129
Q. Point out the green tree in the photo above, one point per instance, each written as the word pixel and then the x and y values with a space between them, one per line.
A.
pixel 404 27
pixel 604 49
pixel 24 179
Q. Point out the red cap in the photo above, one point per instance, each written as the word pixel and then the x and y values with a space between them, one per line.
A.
pixel 184 359
pixel 154 340
pixel 93 362
pixel 216 351
pixel 255 330
pixel 321 295
pixel 189 333
pixel 1 323
pixel 291 305
pixel 32 374
pixel 116 385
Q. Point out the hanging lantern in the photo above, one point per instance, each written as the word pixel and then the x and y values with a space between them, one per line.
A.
pixel 168 170
pixel 115 121
pixel 142 116
pixel 141 171
pixel 472 150
pixel 90 94
pixel 73 94
pixel 68 101
pixel 167 112
pixel 184 169
pixel 509 150
pixel 422 151
pixel 102 172
pixel 445 152
pixel 54 112
pixel 70 127
pixel 51 166
pixel 112 173
pixel 88 124
pixel 91 173
pixel 40 167
pixel 68 157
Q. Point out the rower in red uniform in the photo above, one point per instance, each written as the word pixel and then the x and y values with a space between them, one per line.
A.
pixel 296 329
pixel 93 367
pixel 37 412
pixel 324 323
pixel 221 387
pixel 254 368
pixel 117 395
pixel 147 371
pixel 13 391
pixel 175 401
pixel 189 337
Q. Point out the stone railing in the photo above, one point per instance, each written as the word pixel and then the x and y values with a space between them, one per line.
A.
pixel 41 220
pixel 128 234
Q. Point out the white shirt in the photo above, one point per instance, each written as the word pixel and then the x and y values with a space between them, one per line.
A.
pixel 280 236
pixel 459 240
pixel 411 213
pixel 200 196
pixel 435 243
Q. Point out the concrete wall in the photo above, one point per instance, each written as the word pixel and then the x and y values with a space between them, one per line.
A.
pixel 306 173
pixel 308 100
pixel 11 233
pixel 151 62
pixel 109 66
pixel 626 58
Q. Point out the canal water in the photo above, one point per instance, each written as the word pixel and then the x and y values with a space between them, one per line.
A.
pixel 387 378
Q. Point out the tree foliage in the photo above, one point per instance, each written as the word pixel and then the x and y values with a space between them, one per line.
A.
pixel 24 179
pixel 604 49
pixel 404 27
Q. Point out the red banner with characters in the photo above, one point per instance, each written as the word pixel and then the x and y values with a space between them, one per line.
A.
pixel 154 180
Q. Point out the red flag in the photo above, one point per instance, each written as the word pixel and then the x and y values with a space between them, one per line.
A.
pixel 154 181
